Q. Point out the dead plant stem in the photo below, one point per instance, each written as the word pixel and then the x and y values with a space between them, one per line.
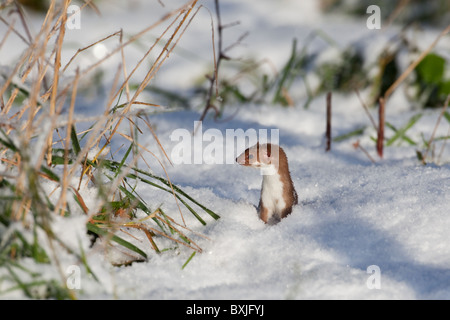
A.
pixel 444 108
pixel 55 83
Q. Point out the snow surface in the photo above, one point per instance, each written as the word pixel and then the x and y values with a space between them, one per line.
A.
pixel 352 215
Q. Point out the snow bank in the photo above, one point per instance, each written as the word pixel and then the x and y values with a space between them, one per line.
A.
pixel 352 215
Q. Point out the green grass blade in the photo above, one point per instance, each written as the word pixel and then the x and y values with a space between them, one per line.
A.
pixel 84 261
pixel 278 97
pixel 345 136
pixel 401 133
pixel 188 260
pixel 53 176
pixel 121 164
pixel 75 142
pixel 447 116
pixel 114 165
pixel 176 195
pixel 178 190
pixel 19 282
pixel 191 210
pixel 102 232
pixel 134 199
pixel 7 142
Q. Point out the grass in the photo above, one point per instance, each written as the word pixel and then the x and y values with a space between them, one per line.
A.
pixel 47 165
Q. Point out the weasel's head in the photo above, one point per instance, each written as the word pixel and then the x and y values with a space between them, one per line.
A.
pixel 264 156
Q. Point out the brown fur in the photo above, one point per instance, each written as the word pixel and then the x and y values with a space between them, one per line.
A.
pixel 267 154
pixel 289 193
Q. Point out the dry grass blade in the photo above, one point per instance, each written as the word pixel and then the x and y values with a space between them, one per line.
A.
pixel 47 162
pixel 80 200
pixel 132 39
pixel 366 109
pixel 119 33
pixel 414 64
pixel 381 122
pixel 444 109
pixel 147 233
pixel 190 244
pixel 65 181
pixel 163 167
pixel 328 122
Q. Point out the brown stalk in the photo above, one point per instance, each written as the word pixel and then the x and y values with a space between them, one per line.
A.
pixel 139 34
pixel 34 52
pixel 97 131
pixel 328 125
pixel 165 52
pixel 147 122
pixel 80 200
pixel 162 166
pixel 196 248
pixel 213 79
pixel 444 145
pixel 147 232
pixel 383 100
pixel 58 48
pixel 10 29
pixel 444 108
pixel 397 11
pixel 366 109
pixel 65 178
pixel 381 120
pixel 22 19
pixel 14 30
pixel 357 145
pixel 35 58
pixel 184 227
pixel 90 46
pixel 414 64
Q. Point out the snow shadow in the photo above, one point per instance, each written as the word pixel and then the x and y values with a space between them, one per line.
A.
pixel 361 244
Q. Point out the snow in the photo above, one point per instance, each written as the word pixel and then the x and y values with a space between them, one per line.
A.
pixel 353 214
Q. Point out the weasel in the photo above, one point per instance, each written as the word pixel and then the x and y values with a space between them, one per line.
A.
pixel 278 194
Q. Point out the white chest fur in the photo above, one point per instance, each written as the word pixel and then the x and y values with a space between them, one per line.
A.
pixel 272 194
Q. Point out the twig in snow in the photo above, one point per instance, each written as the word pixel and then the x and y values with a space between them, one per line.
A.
pixel 435 128
pixel 380 136
pixel 366 109
pixel 213 91
pixel 357 145
pixel 328 126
